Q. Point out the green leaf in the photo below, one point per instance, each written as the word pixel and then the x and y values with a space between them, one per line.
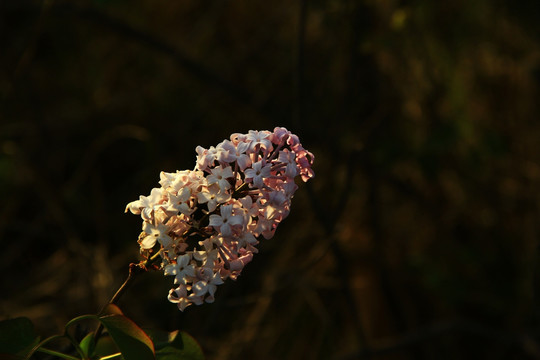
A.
pixel 79 319
pixel 88 344
pixel 131 340
pixel 111 309
pixel 160 338
pixel 17 336
pixel 105 346
pixel 177 345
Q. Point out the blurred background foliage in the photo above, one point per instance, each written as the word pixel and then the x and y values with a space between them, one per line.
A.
pixel 418 238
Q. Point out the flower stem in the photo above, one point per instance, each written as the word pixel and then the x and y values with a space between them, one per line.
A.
pixel 134 270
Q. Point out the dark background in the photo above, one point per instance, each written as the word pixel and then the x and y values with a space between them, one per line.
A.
pixel 418 237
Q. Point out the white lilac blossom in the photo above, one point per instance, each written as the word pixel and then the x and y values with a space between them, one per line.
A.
pixel 205 223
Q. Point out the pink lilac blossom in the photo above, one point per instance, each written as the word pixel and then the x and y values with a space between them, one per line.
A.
pixel 205 223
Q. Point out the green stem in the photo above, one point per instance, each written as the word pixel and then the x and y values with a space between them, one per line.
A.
pixel 80 318
pixel 110 356
pixel 75 345
pixel 56 353
pixel 73 321
pixel 38 346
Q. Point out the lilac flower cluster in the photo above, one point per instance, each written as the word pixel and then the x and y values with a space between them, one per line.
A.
pixel 205 222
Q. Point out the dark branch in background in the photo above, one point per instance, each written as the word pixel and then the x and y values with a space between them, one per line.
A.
pixel 374 181
pixel 29 49
pixel 194 67
pixel 298 116
pixel 327 217
pixel 207 76
pixel 93 152
pixel 329 223
pixel 523 342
